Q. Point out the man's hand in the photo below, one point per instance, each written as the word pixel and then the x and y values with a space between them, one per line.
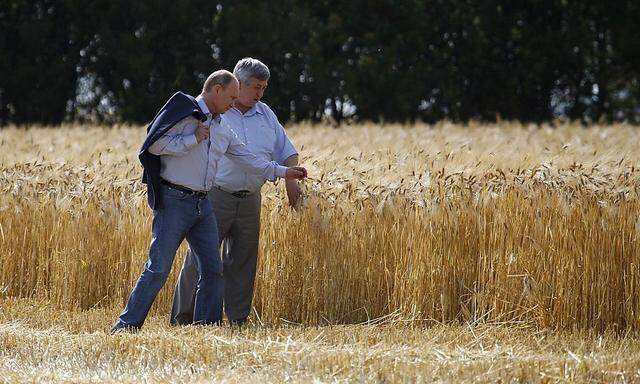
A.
pixel 295 173
pixel 293 193
pixel 202 132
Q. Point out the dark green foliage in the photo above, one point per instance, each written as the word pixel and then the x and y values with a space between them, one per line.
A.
pixel 379 60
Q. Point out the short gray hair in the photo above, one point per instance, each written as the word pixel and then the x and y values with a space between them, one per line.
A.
pixel 219 77
pixel 249 67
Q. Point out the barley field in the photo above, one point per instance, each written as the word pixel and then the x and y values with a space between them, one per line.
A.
pixel 449 253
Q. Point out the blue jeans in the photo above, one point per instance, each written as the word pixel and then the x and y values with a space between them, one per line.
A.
pixel 181 216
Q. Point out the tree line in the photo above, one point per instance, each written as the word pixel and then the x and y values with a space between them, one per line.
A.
pixel 393 61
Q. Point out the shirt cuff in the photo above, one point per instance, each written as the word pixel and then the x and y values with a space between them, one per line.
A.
pixel 281 171
pixel 190 141
pixel 286 155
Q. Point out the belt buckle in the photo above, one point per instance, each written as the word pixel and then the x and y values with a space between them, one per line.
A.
pixel 241 194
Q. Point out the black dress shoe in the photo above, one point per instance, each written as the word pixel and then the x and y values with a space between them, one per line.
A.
pixel 238 322
pixel 120 327
pixel 182 319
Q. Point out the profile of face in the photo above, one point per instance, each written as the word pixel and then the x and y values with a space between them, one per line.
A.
pixel 251 91
pixel 223 97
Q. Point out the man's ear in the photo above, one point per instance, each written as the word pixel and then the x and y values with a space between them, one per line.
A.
pixel 217 89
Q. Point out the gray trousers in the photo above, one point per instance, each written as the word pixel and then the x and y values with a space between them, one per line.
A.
pixel 238 231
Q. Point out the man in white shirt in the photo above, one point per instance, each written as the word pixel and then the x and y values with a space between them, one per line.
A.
pixel 236 197
pixel 189 152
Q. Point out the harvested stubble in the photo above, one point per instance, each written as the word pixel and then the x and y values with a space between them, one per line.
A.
pixel 502 223
pixel 41 343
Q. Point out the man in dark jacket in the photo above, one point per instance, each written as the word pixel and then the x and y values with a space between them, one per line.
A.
pixel 179 106
pixel 180 157
pixel 237 198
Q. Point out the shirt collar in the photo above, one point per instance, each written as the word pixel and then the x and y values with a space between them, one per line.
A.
pixel 250 112
pixel 203 106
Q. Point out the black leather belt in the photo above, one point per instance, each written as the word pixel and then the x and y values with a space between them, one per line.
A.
pixel 241 194
pixel 198 194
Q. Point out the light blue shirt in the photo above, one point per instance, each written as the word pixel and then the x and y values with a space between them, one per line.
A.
pixel 262 133
pixel 194 165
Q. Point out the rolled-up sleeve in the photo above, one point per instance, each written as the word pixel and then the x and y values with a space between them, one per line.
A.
pixel 249 162
pixel 175 142
pixel 283 148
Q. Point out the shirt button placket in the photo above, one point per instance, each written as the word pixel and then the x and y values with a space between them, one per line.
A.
pixel 206 172
pixel 246 142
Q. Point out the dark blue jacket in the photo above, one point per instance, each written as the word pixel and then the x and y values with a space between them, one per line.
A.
pixel 179 106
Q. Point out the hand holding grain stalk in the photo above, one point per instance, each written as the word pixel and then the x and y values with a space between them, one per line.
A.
pixel 297 173
pixel 293 173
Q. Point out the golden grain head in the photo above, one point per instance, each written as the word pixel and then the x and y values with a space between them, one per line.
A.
pixel 442 223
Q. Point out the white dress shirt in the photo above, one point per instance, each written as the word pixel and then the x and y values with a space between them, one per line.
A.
pixel 259 129
pixel 194 165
